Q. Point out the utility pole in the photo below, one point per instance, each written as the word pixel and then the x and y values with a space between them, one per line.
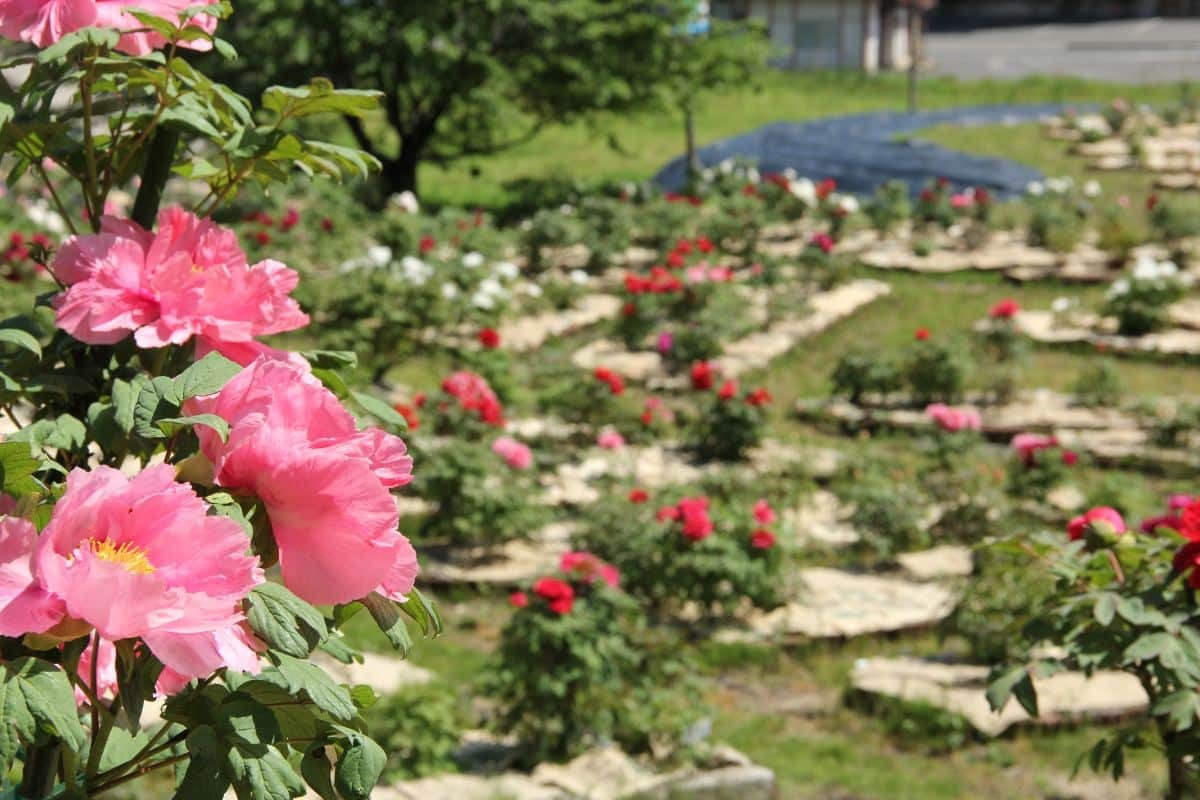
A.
pixel 916 46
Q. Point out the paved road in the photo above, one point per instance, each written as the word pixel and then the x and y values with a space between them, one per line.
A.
pixel 1137 51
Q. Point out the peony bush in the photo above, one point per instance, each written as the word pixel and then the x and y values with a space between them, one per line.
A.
pixel 187 512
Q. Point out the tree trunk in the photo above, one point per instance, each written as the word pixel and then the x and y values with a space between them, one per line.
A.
pixel 1183 781
pixel 400 173
pixel 689 132
pixel 915 46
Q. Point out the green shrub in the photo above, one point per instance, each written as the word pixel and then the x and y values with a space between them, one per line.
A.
pixel 888 515
pixel 729 425
pixel 935 371
pixel 419 728
pixel 1099 384
pixel 862 372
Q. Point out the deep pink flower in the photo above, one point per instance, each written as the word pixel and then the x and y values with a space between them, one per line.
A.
pixel 762 539
pixel 44 22
pixel 1005 309
pixel 324 483
pixel 1187 561
pixel 515 454
pixel 559 595
pixel 666 342
pixel 518 600
pixel 188 280
pixel 823 242
pixel 610 439
pixel 589 568
pixel 1078 526
pixel 763 513
pixel 953 420
pixel 639 496
pixel 1028 445
pixel 474 394
pixel 693 513
pixel 25 605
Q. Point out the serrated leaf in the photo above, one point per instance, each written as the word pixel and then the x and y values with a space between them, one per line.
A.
pixel 319 97
pixel 284 621
pixel 259 775
pixel 35 696
pixel 1149 646
pixel 387 618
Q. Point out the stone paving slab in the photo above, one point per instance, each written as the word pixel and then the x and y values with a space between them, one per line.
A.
pixel 834 603
pixel 530 333
pixel 944 561
pixel 959 688
pixel 1045 327
pixel 822 520
pixel 742 355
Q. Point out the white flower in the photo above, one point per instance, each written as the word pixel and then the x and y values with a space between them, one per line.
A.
pixel 482 300
pixel 449 291
pixel 1118 288
pixel 41 215
pixel 1059 185
pixel 1035 188
pixel 803 190
pixel 1062 305
pixel 630 189
pixel 789 173
pixel 473 260
pixel 379 255
pixel 491 287
pixel 707 175
pixel 1092 188
pixel 406 201
pixel 566 209
pixel 532 290
pixel 726 166
pixel 579 277
pixel 752 175
pixel 848 204
pixel 415 270
pixel 507 270
pixel 526 224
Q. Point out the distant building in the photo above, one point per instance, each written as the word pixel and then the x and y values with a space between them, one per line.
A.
pixel 829 34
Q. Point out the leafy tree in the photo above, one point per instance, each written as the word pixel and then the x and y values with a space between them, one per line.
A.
pixel 468 77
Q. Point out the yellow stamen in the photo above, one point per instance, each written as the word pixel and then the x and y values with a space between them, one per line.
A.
pixel 129 556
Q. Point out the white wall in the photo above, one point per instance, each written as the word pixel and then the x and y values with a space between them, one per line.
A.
pixel 819 34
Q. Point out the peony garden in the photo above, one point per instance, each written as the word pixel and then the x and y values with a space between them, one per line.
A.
pixel 319 482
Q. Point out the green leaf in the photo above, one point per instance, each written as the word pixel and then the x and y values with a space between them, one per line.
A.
pixel 1105 608
pixel 1181 708
pixel 284 621
pixel 379 409
pixel 157 400
pixel 121 747
pixel 262 775
pixel 387 617
pixel 16 464
pixel 18 337
pixel 317 772
pixel 1013 682
pixel 359 766
pixel 205 777
pixel 35 696
pixel 319 97
pixel 1149 646
pixel 296 677
pixel 171 424
pixel 206 376
pixel 422 610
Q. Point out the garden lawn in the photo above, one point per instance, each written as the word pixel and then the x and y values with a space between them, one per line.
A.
pixel 634 147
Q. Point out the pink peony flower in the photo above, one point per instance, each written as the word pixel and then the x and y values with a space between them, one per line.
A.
pixel 514 453
pixel 188 280
pixel 44 22
pixel 324 483
pixel 953 420
pixel 1028 445
pixel 25 605
pixel 140 558
pixel 589 568
pixel 610 439
pixel 762 539
pixel 106 687
pixel 475 395
pixel 1078 526
pixel 763 513
pixel 518 600
pixel 666 342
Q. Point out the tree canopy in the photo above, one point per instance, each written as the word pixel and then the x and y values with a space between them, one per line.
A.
pixel 470 77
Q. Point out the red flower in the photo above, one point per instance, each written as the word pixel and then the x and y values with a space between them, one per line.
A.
pixel 750 190
pixel 426 244
pixel 289 220
pixel 489 338
pixel 759 397
pixel 639 496
pixel 923 334
pixel 728 390
pixel 1186 560
pixel 826 188
pixel 261 217
pixel 42 240
pixel 763 513
pixel 616 384
pixel 518 599
pixel 16 239
pixel 589 568
pixel 667 513
pixel 1151 202
pixel 702 376
pixel 762 539
pixel 675 260
pixel 1110 517
pixel 1005 309
pixel 327 224
pixel 1070 458
pixel 409 414
pixel 558 594
pixel 823 242
pixel 628 310
pixel 982 196
pixel 697 524
pixel 262 237
pixel 704 244
pixel 683 247
pixel 474 394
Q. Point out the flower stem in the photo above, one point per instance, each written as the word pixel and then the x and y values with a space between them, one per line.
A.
pixel 41 770
pixel 154 176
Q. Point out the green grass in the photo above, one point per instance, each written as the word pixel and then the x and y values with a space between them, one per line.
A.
pixel 634 147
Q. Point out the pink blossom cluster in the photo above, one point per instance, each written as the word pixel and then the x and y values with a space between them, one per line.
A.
pixel 188 280
pixel 953 420
pixel 1028 446
pixel 44 22
pixel 133 558
pixel 516 454
pixel 475 396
